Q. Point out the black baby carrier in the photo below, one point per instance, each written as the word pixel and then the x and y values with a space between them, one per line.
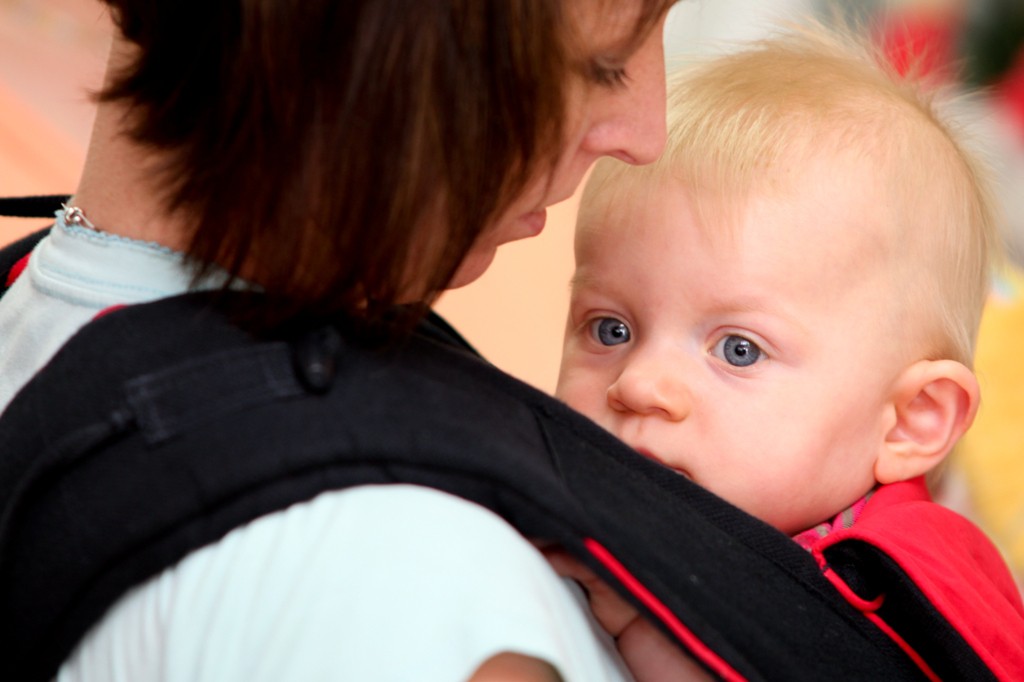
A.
pixel 115 465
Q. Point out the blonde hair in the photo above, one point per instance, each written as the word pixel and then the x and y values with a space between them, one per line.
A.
pixel 735 119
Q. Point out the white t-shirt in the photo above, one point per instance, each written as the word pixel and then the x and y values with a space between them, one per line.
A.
pixel 390 582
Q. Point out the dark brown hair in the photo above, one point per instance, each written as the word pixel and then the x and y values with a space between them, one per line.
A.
pixel 324 145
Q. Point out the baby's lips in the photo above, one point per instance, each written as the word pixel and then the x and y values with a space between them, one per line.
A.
pixel 650 455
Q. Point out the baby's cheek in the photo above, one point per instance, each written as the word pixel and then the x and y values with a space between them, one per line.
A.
pixel 567 393
pixel 758 492
pixel 578 390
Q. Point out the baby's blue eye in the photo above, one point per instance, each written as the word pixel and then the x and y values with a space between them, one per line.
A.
pixel 738 351
pixel 610 331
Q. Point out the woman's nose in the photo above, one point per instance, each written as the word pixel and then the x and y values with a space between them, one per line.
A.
pixel 629 124
pixel 650 389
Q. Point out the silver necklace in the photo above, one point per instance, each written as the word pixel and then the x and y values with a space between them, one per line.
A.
pixel 76 216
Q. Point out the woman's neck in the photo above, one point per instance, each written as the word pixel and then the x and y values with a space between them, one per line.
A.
pixel 118 188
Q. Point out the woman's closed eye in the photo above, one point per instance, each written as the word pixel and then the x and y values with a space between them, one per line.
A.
pixel 607 74
pixel 738 351
pixel 610 331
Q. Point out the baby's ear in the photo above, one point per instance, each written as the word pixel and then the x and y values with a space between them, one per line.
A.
pixel 934 402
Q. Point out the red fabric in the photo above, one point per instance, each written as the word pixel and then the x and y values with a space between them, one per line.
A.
pixel 952 563
pixel 843 519
pixel 1011 92
pixel 17 269
pixel 108 310
pixel 697 647
pixel 922 42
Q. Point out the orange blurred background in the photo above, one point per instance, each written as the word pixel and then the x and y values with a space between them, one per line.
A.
pixel 50 53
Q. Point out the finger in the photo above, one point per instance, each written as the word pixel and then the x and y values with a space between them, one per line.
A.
pixel 612 611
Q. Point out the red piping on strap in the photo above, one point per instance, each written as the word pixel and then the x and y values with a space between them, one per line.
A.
pixel 675 626
pixel 869 608
pixel 17 269
pixel 108 310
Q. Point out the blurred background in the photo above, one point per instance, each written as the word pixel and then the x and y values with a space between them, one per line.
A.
pixel 52 54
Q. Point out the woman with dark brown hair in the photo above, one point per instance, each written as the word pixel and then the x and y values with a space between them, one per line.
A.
pixel 346 160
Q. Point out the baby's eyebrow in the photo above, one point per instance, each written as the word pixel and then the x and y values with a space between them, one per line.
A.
pixel 595 283
pixel 582 279
pixel 766 305
pixel 744 304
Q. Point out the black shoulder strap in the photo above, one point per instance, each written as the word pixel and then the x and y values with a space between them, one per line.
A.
pixel 40 206
pixel 875 577
pixel 116 465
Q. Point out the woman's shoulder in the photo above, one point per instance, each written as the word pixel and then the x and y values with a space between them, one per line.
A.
pixel 382 582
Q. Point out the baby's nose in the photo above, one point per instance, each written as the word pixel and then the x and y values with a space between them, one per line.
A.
pixel 649 389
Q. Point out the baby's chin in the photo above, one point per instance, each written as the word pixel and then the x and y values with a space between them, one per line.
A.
pixel 786 525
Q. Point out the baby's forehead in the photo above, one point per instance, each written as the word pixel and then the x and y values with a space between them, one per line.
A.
pixel 719 197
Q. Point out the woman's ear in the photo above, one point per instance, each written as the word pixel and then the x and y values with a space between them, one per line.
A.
pixel 934 402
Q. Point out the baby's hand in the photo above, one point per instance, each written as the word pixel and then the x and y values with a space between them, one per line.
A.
pixel 650 656
pixel 613 612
